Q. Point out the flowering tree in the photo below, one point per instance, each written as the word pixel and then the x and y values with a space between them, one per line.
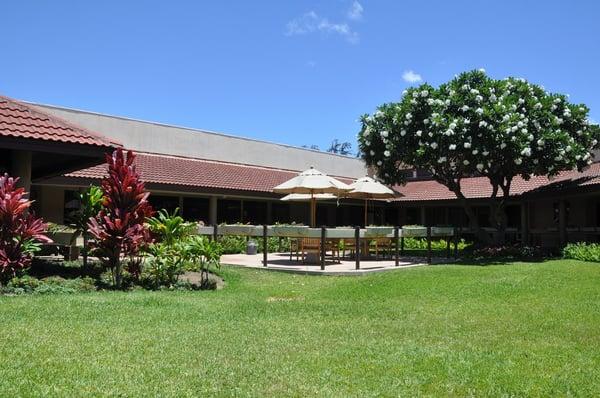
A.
pixel 475 125
pixel 20 231
pixel 118 230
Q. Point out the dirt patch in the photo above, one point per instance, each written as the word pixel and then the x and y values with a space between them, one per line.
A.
pixel 195 278
pixel 274 299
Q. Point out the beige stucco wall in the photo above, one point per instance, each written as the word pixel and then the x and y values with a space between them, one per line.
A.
pixel 52 204
pixel 181 141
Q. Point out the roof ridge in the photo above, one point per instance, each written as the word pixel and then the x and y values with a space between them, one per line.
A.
pixel 53 118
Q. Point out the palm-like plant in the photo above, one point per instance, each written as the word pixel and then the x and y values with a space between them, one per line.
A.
pixel 118 229
pixel 90 205
pixel 20 231
pixel 168 228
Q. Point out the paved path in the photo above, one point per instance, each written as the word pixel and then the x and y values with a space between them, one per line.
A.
pixel 281 262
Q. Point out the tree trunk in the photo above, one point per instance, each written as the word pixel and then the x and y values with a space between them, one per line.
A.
pixel 85 251
pixel 118 274
pixel 481 235
pixel 498 218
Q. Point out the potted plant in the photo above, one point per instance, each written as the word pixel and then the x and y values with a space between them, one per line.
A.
pixel 240 229
pixel 379 231
pixel 290 230
pixel 414 231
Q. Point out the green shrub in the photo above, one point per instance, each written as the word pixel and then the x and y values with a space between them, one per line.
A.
pixel 515 251
pixel 582 251
pixel 176 249
pixel 436 244
pixel 231 244
pixel 51 285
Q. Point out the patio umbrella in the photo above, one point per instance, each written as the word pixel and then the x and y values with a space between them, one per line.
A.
pixel 367 188
pixel 302 197
pixel 312 182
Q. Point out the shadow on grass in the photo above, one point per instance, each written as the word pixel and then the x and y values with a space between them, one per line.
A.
pixel 482 262
pixel 43 267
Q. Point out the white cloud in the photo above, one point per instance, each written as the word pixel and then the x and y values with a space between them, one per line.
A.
pixel 311 22
pixel 311 64
pixel 355 12
pixel 411 76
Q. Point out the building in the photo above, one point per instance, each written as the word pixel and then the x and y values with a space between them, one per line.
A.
pixel 216 177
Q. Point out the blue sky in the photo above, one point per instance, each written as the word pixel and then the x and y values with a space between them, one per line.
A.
pixel 291 72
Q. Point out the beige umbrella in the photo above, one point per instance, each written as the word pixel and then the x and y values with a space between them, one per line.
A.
pixel 312 182
pixel 367 188
pixel 302 197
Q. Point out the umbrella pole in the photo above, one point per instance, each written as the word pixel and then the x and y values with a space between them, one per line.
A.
pixel 313 210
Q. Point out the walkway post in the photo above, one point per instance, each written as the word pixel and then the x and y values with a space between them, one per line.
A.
pixel 323 236
pixel 396 245
pixel 215 232
pixel 448 238
pixel 402 245
pixel 357 247
pixel 428 245
pixel 265 245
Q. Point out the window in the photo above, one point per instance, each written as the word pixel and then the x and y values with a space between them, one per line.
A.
pixel 281 213
pixel 413 216
pixel 4 161
pixel 457 217
pixel 436 216
pixel 72 203
pixel 391 215
pixel 255 212
pixel 408 173
pixel 556 211
pixel 229 211
pixel 513 216
pixel 421 173
pixel 168 203
pixel 196 209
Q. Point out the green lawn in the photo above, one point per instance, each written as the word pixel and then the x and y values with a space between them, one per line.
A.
pixel 518 329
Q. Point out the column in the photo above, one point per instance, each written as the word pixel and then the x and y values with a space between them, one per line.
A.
pixel 562 223
pixel 212 210
pixel 423 216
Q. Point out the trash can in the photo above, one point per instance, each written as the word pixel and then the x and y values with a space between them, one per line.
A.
pixel 251 247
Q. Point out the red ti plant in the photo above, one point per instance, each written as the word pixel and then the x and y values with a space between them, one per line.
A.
pixel 20 231
pixel 118 230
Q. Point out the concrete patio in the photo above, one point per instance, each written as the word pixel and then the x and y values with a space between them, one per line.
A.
pixel 281 262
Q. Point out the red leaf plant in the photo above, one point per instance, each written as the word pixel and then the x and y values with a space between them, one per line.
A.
pixel 20 230
pixel 118 231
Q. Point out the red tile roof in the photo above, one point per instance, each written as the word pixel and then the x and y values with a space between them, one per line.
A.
pixel 180 171
pixel 19 120
pixel 479 187
pixel 200 173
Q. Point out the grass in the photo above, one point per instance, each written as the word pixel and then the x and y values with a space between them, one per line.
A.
pixel 516 329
